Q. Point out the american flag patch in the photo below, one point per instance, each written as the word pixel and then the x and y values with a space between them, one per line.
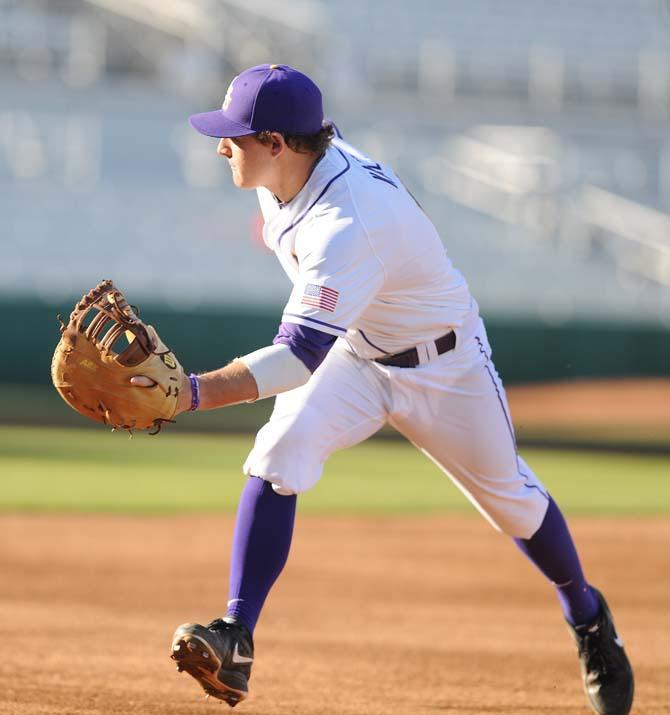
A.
pixel 320 297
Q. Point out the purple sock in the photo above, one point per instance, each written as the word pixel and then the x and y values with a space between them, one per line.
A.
pixel 551 549
pixel 261 544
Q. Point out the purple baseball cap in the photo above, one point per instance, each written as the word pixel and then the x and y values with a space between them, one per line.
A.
pixel 273 98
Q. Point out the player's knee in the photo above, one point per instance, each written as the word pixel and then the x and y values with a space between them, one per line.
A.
pixel 282 491
pixel 519 530
pixel 520 520
pixel 288 453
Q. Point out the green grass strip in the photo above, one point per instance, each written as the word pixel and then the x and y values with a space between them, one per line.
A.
pixel 84 470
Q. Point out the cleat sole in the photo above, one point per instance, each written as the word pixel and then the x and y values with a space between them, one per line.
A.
pixel 193 656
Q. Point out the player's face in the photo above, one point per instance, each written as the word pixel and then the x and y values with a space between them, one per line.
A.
pixel 249 160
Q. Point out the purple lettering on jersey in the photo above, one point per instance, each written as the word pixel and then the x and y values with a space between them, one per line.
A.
pixel 375 171
pixel 307 344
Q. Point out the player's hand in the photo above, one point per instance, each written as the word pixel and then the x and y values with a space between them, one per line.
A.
pixel 184 399
pixel 142 381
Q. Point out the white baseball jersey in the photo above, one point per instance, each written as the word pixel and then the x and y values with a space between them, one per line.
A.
pixel 365 261
pixel 368 265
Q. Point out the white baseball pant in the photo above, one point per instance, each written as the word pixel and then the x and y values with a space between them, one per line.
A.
pixel 453 408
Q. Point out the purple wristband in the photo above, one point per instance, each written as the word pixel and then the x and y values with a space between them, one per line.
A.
pixel 195 391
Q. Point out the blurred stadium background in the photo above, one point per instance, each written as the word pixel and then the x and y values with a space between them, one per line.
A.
pixel 535 134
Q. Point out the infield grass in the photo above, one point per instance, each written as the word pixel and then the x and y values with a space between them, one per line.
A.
pixel 88 470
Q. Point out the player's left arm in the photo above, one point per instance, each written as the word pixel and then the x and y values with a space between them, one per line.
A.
pixel 295 354
pixel 229 385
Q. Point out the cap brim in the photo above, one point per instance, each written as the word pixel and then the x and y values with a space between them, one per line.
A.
pixel 216 124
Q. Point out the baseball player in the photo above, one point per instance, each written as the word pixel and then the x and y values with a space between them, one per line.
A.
pixel 379 328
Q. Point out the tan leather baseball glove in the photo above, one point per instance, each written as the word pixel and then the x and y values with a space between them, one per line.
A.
pixel 104 345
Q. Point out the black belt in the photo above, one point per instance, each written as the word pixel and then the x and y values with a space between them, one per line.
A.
pixel 410 358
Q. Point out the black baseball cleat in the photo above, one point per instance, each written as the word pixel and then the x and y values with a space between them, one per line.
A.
pixel 606 670
pixel 218 656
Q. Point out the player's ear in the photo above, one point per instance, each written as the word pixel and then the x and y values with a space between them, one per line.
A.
pixel 278 143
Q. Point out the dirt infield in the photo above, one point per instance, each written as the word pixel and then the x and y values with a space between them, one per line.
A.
pixel 432 615
pixel 584 403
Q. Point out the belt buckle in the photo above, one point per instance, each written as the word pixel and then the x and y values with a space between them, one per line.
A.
pixel 431 352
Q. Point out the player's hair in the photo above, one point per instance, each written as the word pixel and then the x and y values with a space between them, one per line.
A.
pixel 304 143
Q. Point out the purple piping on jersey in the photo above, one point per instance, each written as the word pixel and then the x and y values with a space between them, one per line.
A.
pixel 314 320
pixel 371 344
pixel 316 200
pixel 336 129
pixel 308 344
pixel 509 424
